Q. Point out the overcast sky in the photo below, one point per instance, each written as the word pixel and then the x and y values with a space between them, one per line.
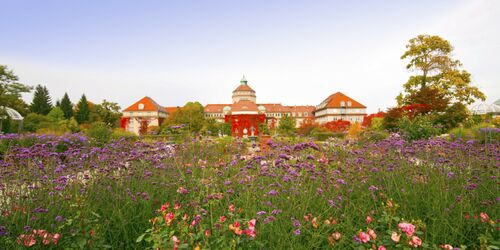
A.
pixel 292 52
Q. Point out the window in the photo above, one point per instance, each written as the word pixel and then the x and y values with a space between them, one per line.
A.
pixel 305 114
pixel 349 103
pixel 342 104
pixel 140 106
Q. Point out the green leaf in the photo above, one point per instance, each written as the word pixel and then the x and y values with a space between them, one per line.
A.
pixel 139 239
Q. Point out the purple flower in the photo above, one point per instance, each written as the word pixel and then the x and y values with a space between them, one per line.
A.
pixel 296 223
pixel 276 211
pixel 3 231
pixel 269 219
pixel 273 192
pixel 297 232
pixel 451 174
pixel 373 188
pixel 261 212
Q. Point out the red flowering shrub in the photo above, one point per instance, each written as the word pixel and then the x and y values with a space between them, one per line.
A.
pixel 337 126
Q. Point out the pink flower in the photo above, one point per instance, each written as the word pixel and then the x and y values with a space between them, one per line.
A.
pixel 168 218
pixel 231 208
pixel 56 238
pixel 372 234
pixel 446 247
pixel 381 248
pixel 484 217
pixel 177 206
pixel 222 218
pixel 26 240
pixel 165 206
pixel 251 233
pixel 395 237
pixel 251 223
pixel 207 232
pixel 407 228
pixel 364 237
pixel 336 235
pixel 415 241
pixel 368 219
pixel 176 242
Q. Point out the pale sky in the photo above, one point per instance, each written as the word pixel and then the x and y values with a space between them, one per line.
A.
pixel 291 52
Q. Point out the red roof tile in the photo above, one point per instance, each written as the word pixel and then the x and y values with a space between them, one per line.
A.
pixel 244 105
pixel 334 101
pixel 243 87
pixel 170 110
pixel 149 105
pixel 215 108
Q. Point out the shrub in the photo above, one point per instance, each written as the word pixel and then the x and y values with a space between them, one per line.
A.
pixel 421 127
pixel 99 132
pixel 120 133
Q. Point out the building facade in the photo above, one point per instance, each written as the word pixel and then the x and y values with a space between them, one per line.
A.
pixel 245 114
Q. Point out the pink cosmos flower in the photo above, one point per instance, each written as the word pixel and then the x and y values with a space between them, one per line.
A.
pixel 26 240
pixel 407 228
pixel 207 232
pixel 231 208
pixel 381 248
pixel 222 218
pixel 446 247
pixel 368 219
pixel 169 218
pixel 336 235
pixel 364 237
pixel 415 241
pixel 372 234
pixel 484 217
pixel 176 242
pixel 251 223
pixel 395 237
pixel 56 238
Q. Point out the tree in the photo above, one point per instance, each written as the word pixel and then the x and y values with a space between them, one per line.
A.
pixel 42 103
pixel 82 114
pixel 56 115
pixel 108 112
pixel 33 122
pixel 430 58
pixel 287 125
pixel 11 90
pixel 190 116
pixel 66 106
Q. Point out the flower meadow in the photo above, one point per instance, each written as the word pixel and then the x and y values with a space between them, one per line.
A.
pixel 68 192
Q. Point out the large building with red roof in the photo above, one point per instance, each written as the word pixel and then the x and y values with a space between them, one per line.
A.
pixel 245 113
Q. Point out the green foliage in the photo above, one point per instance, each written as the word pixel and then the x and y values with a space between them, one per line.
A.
pixel 42 103
pixel 56 115
pixel 377 124
pixel 264 129
pixel 82 114
pixel 99 132
pixel 66 106
pixel 191 116
pixel 34 122
pixel 421 127
pixel 453 116
pixel 119 133
pixel 107 112
pixel 11 90
pixel 287 125
pixel 430 57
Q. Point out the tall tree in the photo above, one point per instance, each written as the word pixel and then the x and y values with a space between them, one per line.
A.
pixel 430 58
pixel 42 103
pixel 287 125
pixel 66 106
pixel 11 90
pixel 82 114
pixel 108 112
